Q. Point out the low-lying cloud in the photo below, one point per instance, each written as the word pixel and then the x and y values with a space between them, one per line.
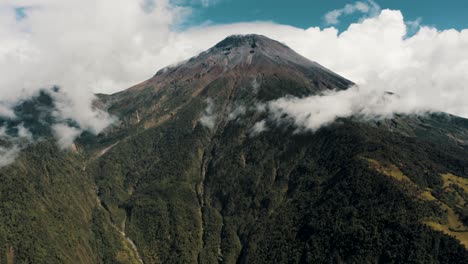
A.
pixel 238 111
pixel 427 69
pixel 65 135
pixel 11 145
pixel 313 112
pixel 208 118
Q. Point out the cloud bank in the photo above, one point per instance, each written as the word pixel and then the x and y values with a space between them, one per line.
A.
pixel 88 46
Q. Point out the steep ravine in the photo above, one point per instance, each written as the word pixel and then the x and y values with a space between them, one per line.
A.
pixel 122 233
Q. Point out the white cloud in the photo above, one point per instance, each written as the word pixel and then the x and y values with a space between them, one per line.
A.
pixel 65 135
pixel 413 25
pixel 207 3
pixel 370 7
pixel 83 46
pixel 237 112
pixel 88 118
pixel 8 155
pixel 428 69
pixel 258 128
pixel 202 3
pixel 314 112
pixel 6 111
pixel 208 118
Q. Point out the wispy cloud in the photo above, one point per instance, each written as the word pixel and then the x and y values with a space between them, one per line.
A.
pixel 12 143
pixel 207 3
pixel 8 155
pixel 237 112
pixel 208 118
pixel 202 3
pixel 414 25
pixel 369 8
pixel 258 128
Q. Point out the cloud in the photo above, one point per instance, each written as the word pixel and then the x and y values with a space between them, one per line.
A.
pixel 370 7
pixel 207 3
pixel 87 117
pixel 414 25
pixel 237 112
pixel 12 143
pixel 8 155
pixel 65 135
pixel 258 128
pixel 208 118
pixel 82 46
pixel 425 71
pixel 24 133
pixel 428 69
pixel 255 85
pixel 202 3
pixel 313 112
pixel 6 111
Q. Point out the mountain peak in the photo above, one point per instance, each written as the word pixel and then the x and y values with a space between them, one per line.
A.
pixel 250 56
pixel 253 43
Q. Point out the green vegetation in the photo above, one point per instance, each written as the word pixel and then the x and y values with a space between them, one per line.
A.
pixel 49 212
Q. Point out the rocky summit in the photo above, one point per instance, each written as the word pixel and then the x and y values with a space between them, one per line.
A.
pixel 193 170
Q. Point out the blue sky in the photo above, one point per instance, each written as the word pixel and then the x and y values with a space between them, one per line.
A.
pixel 308 13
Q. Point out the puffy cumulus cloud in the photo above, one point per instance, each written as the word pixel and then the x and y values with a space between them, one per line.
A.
pixel 370 7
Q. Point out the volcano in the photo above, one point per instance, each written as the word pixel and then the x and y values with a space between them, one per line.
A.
pixel 194 171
